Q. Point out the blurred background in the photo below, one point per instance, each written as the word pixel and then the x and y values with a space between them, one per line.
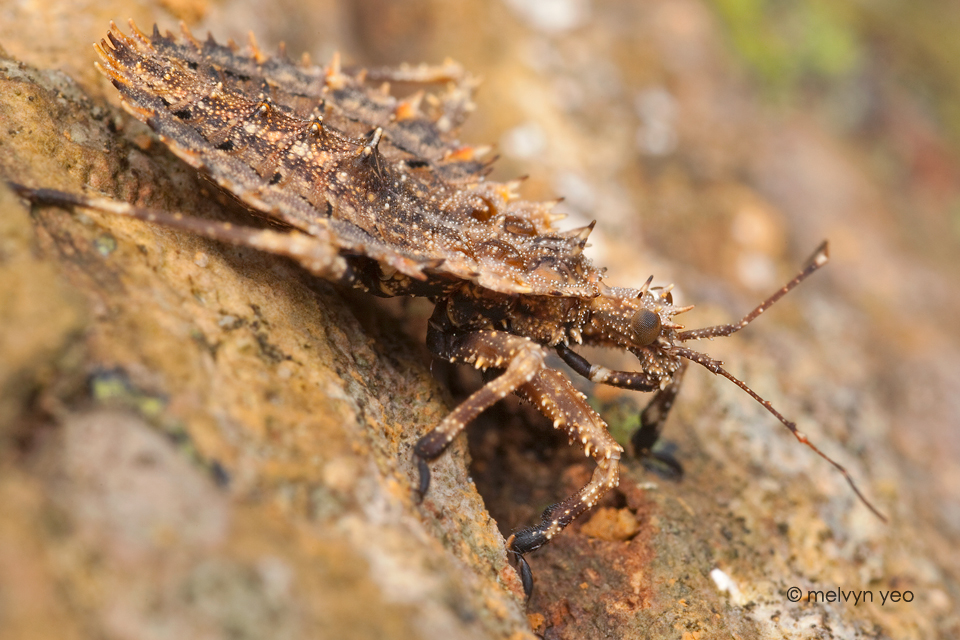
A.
pixel 717 142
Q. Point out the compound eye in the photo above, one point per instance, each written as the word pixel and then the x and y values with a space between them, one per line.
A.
pixel 645 326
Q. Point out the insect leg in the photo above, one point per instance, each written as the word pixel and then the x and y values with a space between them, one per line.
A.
pixel 652 419
pixel 653 416
pixel 633 380
pixel 552 393
pixel 520 358
pixel 450 71
pixel 315 253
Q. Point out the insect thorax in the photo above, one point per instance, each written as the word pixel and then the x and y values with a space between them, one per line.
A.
pixel 602 321
pixel 546 320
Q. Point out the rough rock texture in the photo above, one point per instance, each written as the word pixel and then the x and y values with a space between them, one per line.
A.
pixel 288 507
pixel 201 441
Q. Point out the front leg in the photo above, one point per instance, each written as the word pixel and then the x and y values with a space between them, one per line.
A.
pixel 555 396
pixel 653 416
pixel 552 393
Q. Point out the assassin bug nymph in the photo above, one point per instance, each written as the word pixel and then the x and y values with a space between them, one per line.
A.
pixel 375 192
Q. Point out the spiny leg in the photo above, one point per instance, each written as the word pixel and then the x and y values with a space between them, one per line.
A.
pixel 520 358
pixel 315 253
pixel 653 416
pixel 552 393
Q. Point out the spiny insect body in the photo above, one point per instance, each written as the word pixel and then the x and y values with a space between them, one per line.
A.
pixel 375 192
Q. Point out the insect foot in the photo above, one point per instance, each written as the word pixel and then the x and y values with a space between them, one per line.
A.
pixel 374 191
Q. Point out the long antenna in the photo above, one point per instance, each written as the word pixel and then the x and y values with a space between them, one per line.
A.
pixel 819 258
pixel 715 367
